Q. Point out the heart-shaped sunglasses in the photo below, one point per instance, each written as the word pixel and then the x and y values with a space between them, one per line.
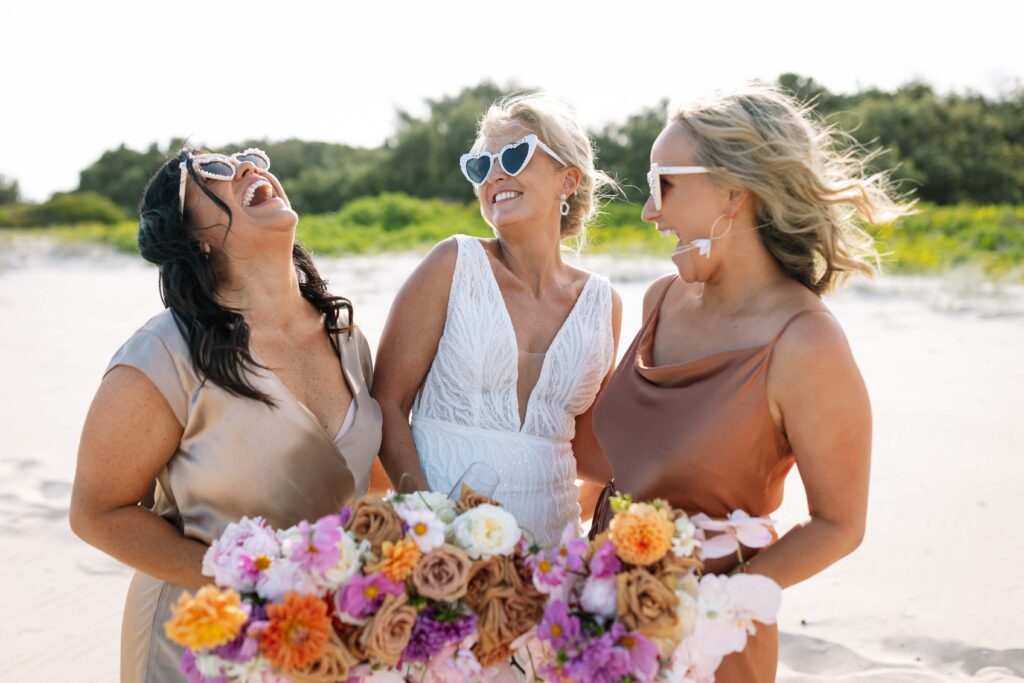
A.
pixel 513 157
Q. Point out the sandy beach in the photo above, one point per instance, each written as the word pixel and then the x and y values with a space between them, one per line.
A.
pixel 933 594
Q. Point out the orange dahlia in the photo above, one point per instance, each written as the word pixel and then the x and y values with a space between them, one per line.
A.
pixel 299 629
pixel 642 534
pixel 211 618
pixel 399 559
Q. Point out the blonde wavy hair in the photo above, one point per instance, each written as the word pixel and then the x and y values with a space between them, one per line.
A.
pixel 554 122
pixel 809 180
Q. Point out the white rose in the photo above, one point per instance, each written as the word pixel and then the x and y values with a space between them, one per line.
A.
pixel 350 560
pixel 486 531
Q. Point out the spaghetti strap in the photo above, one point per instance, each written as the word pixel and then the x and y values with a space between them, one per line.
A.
pixel 661 297
pixel 790 322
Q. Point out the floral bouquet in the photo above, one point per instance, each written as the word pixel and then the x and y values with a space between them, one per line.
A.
pixel 404 587
pixel 632 605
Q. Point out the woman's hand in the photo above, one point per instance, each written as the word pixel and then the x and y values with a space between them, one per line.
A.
pixel 130 433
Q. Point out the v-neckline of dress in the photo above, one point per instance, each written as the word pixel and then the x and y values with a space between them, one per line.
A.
pixel 303 408
pixel 515 339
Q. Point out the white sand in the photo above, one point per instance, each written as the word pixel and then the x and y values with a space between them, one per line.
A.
pixel 934 593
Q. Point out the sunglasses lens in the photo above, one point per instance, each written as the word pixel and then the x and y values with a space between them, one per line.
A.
pixel 216 167
pixel 513 158
pixel 255 159
pixel 478 168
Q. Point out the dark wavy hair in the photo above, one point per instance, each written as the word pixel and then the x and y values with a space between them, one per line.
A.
pixel 217 336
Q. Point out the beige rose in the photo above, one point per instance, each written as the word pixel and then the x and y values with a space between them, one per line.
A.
pixel 442 574
pixel 469 499
pixel 671 570
pixel 504 616
pixel 373 519
pixel 389 630
pixel 646 604
pixel 483 576
pixel 520 577
pixel 334 664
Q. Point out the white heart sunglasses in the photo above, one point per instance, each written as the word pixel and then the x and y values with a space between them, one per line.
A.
pixel 219 167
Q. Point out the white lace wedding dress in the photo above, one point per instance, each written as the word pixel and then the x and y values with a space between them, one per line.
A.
pixel 467 410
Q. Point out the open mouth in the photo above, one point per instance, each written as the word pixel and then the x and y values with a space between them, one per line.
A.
pixel 257 193
pixel 506 196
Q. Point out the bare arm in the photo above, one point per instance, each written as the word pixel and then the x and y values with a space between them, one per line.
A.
pixel 407 349
pixel 815 384
pixel 591 463
pixel 129 435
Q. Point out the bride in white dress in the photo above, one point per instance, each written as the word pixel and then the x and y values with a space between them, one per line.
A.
pixel 498 347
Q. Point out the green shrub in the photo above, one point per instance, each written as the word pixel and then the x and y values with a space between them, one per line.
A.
pixel 75 207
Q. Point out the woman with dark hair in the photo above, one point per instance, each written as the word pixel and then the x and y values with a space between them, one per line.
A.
pixel 248 396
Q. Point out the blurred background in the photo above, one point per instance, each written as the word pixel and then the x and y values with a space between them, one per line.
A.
pixel 365 109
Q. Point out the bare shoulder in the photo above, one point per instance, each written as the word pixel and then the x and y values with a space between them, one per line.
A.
pixel 813 345
pixel 658 287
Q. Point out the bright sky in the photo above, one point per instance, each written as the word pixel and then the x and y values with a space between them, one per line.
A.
pixel 83 77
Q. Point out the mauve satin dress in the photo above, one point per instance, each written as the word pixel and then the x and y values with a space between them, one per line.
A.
pixel 237 457
pixel 699 435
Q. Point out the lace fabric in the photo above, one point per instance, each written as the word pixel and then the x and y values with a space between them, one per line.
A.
pixel 468 409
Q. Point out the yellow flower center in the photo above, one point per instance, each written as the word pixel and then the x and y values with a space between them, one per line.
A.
pixel 263 563
pixel 420 529
pixel 372 591
pixel 544 566
pixel 627 642
pixel 556 630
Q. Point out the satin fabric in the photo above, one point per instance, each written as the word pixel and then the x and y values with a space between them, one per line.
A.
pixel 237 457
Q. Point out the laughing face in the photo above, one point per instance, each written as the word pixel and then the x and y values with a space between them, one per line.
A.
pixel 690 205
pixel 526 199
pixel 260 210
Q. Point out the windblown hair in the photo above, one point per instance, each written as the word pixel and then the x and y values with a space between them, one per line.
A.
pixel 554 122
pixel 809 183
pixel 217 336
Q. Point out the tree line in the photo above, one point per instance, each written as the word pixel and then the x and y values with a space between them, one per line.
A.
pixel 943 148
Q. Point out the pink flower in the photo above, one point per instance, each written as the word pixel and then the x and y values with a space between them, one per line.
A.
pixel 283 577
pixel 244 549
pixel 728 606
pixel 571 550
pixel 605 563
pixel 314 547
pixel 558 627
pixel 454 664
pixel 739 527
pixel 363 595
pixel 548 573
pixel 692 664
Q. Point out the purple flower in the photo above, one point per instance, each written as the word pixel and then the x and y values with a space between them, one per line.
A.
pixel 643 654
pixel 345 516
pixel 363 595
pixel 558 627
pixel 599 661
pixel 604 563
pixel 435 627
pixel 572 549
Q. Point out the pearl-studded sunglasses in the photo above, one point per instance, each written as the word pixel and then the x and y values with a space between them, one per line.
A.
pixel 513 157
pixel 219 167
pixel 654 178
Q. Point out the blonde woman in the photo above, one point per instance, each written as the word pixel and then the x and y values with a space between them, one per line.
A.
pixel 497 346
pixel 739 370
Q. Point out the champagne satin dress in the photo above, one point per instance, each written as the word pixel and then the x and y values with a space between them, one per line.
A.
pixel 700 435
pixel 238 457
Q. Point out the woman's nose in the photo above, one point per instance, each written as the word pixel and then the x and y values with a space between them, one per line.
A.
pixel 648 213
pixel 245 168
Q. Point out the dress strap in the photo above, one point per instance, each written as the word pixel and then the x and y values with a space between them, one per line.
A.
pixel 790 322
